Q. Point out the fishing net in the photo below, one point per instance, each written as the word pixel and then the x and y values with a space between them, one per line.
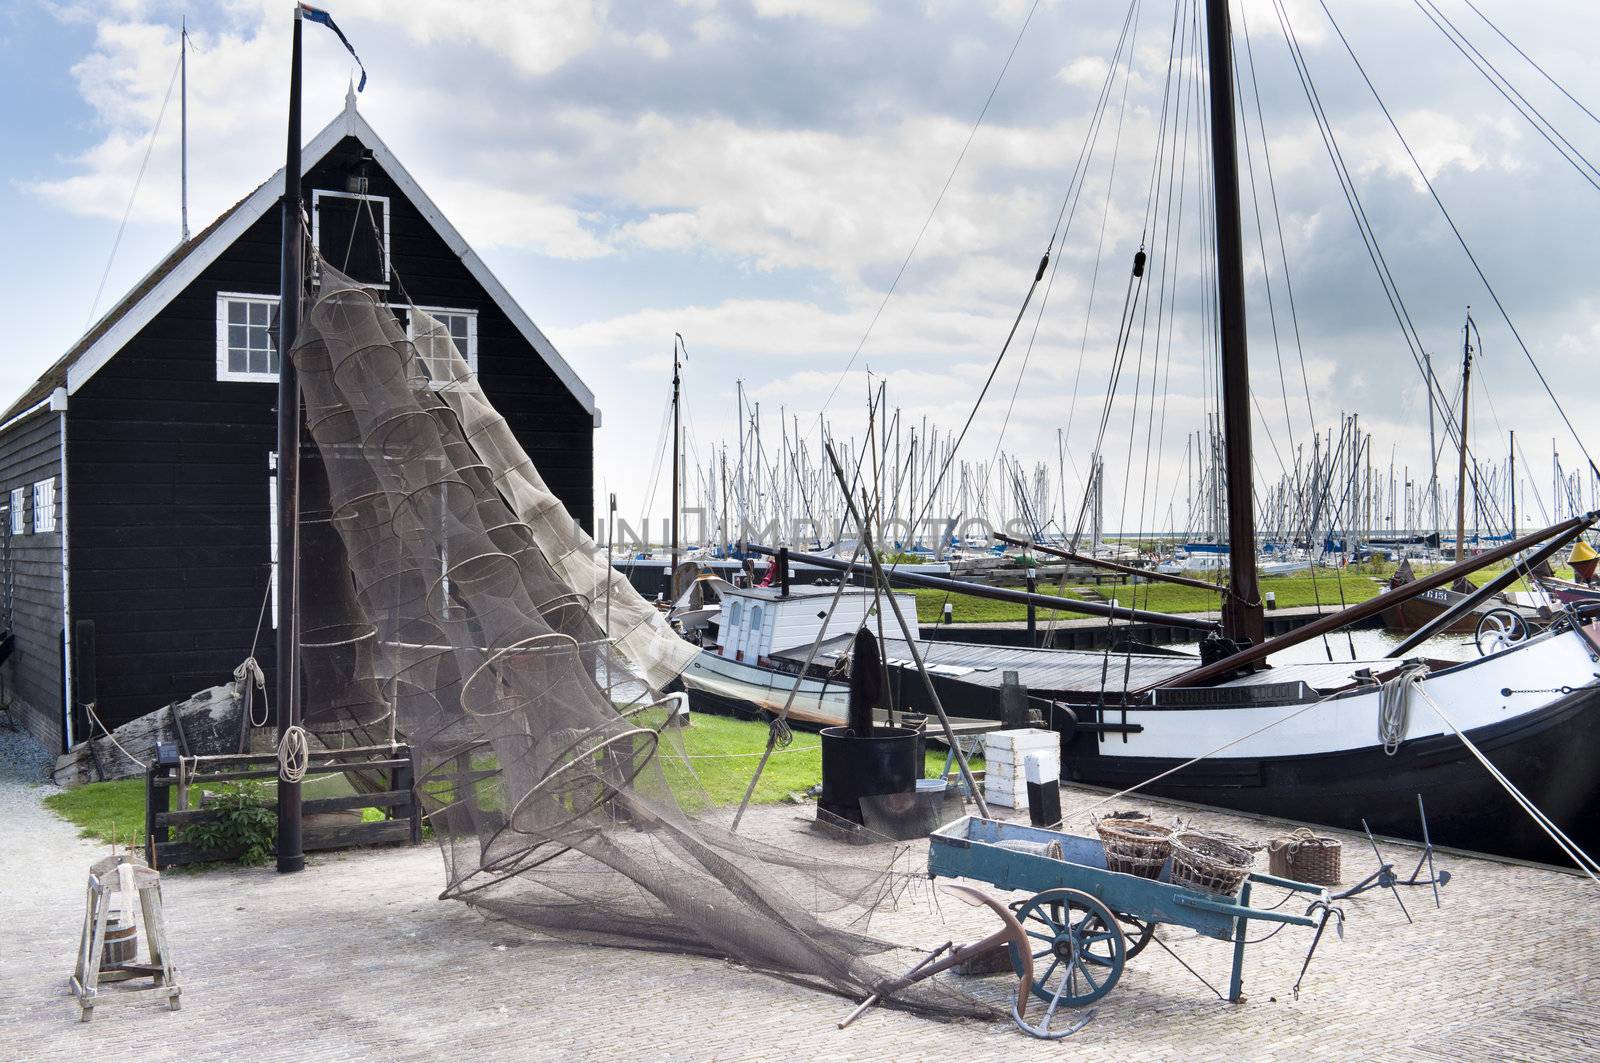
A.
pixel 442 580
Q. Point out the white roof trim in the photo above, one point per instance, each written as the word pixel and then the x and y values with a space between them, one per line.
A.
pixel 186 272
pixel 42 404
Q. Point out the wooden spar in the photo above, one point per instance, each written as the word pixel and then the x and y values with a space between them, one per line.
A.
pixel 1110 566
pixel 1387 600
pixel 1483 593
pixel 998 594
pixel 291 279
pixel 1241 607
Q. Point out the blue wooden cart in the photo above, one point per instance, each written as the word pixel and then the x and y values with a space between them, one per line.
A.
pixel 1088 921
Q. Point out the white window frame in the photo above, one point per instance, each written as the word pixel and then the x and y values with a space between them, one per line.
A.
pixel 44 506
pixel 470 354
pixel 19 511
pixel 318 194
pixel 223 299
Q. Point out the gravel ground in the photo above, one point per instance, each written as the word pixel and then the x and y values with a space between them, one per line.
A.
pixel 355 959
pixel 22 758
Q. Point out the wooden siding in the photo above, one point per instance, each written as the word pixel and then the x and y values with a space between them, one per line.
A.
pixel 31 451
pixel 168 473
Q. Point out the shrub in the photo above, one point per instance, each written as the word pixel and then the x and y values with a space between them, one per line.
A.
pixel 243 822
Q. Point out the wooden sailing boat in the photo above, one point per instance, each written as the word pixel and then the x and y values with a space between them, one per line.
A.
pixel 1318 742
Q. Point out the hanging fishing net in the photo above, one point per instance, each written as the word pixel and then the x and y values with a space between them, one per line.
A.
pixel 442 580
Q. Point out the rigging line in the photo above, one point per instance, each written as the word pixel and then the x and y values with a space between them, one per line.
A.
pixel 1530 61
pixel 1069 201
pixel 116 241
pixel 1461 240
pixel 1015 44
pixel 1153 207
pixel 1261 243
pixel 1111 177
pixel 983 392
pixel 1521 104
pixel 1352 197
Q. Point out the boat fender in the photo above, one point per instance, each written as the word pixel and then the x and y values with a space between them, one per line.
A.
pixel 1138 263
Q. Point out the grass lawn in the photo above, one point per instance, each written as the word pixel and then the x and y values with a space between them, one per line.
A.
pixel 114 811
pixel 1330 587
pixel 722 753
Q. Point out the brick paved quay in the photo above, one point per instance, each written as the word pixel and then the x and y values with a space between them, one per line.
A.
pixel 357 959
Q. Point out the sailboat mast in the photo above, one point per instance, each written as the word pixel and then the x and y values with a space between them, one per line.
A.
pixel 291 276
pixel 676 451
pixel 1241 608
pixel 1461 464
pixel 183 125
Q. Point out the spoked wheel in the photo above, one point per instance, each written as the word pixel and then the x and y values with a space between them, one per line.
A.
pixel 1078 947
pixel 1137 932
pixel 1499 629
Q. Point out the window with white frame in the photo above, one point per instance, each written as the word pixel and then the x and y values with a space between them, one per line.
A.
pixel 351 231
pixel 246 346
pixel 44 506
pixel 19 511
pixel 435 334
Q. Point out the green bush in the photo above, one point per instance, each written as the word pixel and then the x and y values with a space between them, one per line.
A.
pixel 245 822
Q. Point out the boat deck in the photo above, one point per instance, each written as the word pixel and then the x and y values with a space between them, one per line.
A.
pixel 1083 672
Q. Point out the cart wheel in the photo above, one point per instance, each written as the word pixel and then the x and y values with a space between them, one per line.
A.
pixel 1137 932
pixel 1079 944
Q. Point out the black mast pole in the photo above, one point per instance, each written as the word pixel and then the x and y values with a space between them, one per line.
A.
pixel 290 281
pixel 1241 608
pixel 672 574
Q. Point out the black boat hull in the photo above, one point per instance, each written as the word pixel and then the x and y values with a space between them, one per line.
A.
pixel 1552 756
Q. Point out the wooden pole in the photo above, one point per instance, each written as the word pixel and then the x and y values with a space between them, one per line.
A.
pixel 291 276
pixel 1241 609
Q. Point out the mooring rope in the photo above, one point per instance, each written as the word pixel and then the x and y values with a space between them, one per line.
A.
pixel 251 678
pixel 1585 862
pixel 88 707
pixel 1394 704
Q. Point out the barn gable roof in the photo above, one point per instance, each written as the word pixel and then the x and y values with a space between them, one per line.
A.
pixel 188 260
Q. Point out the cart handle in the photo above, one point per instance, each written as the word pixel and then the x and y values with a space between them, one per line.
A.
pixel 1241 911
pixel 1288 884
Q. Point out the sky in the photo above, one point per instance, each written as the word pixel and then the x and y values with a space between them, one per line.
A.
pixel 753 173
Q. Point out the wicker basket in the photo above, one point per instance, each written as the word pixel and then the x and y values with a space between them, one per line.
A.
pixel 1306 857
pixel 1134 846
pixel 1216 863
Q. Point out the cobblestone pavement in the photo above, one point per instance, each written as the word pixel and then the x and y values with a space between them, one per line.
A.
pixel 356 959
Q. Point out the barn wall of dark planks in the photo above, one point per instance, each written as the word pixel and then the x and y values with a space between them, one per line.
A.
pixel 168 466
pixel 30 578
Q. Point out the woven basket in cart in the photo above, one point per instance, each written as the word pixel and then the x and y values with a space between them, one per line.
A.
pixel 1306 857
pixel 1134 846
pixel 1214 862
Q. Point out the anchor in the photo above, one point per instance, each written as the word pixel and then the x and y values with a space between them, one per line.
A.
pixel 1386 878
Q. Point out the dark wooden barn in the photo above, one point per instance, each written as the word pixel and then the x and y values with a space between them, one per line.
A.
pixel 137 472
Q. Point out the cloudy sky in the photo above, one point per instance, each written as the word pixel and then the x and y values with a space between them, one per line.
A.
pixel 752 174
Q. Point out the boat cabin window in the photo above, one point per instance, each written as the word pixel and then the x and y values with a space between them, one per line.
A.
pixel 735 613
pixel 247 348
pixel 755 618
pixel 351 231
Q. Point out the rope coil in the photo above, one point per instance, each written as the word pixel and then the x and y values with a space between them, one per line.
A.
pixel 294 754
pixel 1394 705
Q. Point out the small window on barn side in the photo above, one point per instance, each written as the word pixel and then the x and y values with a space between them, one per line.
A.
pixel 44 506
pixel 459 327
pixel 19 511
pixel 352 232
pixel 246 346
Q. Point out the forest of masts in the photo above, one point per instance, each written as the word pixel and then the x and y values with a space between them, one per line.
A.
pixel 774 484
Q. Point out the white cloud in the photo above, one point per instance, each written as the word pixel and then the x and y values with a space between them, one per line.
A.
pixel 830 12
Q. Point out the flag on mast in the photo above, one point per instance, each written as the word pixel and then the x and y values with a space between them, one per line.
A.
pixel 316 14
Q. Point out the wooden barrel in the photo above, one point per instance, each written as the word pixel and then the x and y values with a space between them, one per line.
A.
pixel 122 942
